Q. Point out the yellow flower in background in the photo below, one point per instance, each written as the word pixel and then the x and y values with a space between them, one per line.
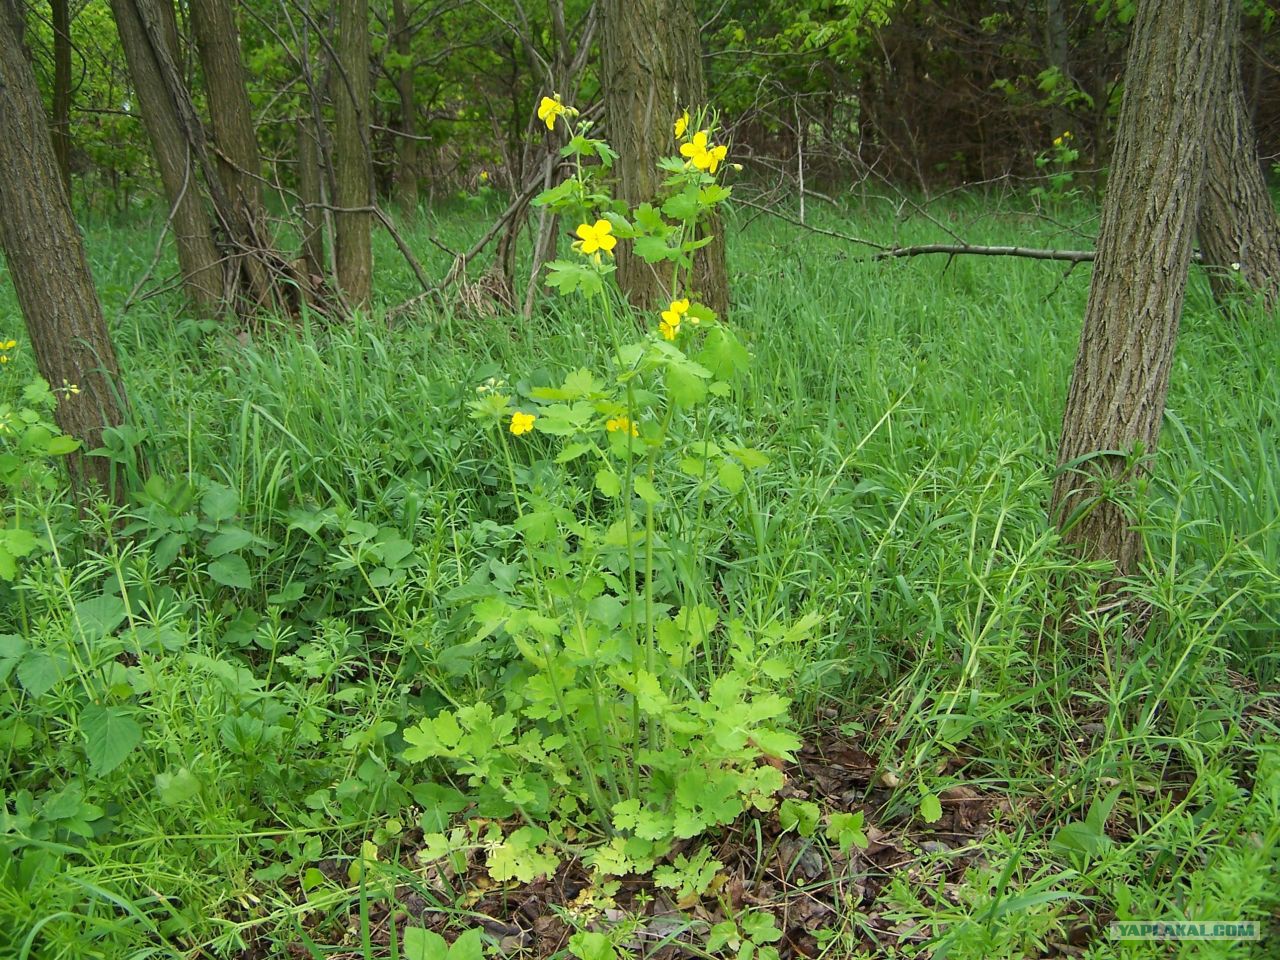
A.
pixel 5 347
pixel 484 176
pixel 682 124
pixel 549 109
pixel 596 236
pixel 702 153
pixel 1059 141
pixel 622 424
pixel 522 422
pixel 66 387
pixel 670 325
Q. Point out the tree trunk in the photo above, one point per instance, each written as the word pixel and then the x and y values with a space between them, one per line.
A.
pixel 47 263
pixel 651 63
pixel 1177 54
pixel 407 144
pixel 61 128
pixel 312 196
pixel 352 171
pixel 231 116
pixel 198 255
pixel 1239 233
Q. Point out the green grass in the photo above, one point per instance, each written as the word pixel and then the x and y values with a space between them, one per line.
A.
pixel 910 410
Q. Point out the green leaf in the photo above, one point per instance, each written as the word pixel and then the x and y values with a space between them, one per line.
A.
pixel 110 734
pixel 608 483
pixel 800 816
pixel 684 205
pixel 846 830
pixel 12 648
pixel 219 502
pixel 930 808
pixel 177 787
pixel 100 616
pixel 592 945
pixel 731 477
pixel 40 672
pixel 468 946
pixel 420 944
pixel 684 385
pixel 60 446
pixel 233 538
pixel 230 571
pixel 653 249
pixel 646 491
pixel 723 354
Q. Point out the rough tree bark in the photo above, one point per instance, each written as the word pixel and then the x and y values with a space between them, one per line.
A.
pixel 651 64
pixel 198 256
pixel 352 162
pixel 1177 54
pixel 311 193
pixel 407 144
pixel 1239 232
pixel 60 130
pixel 47 263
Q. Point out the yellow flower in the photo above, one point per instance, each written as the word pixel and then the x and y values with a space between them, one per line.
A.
pixel 596 236
pixel 703 154
pixel 682 124
pixel 549 109
pixel 623 424
pixel 484 176
pixel 670 324
pixel 5 347
pixel 522 422
pixel 68 387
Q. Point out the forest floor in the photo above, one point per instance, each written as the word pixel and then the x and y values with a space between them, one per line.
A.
pixel 210 701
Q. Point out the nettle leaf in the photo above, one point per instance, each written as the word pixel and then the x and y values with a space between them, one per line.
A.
pixel 40 672
pixel 230 571
pixel 232 538
pixel 99 616
pixel 219 502
pixel 12 649
pixel 420 944
pixel 177 786
pixel 110 734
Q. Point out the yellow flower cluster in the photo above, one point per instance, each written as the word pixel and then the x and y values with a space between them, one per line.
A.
pixel 522 422
pixel 670 324
pixel 622 424
pixel 5 347
pixel 552 107
pixel 702 153
pixel 1059 141
pixel 595 236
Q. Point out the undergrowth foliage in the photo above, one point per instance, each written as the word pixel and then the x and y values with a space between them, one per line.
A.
pixel 635 709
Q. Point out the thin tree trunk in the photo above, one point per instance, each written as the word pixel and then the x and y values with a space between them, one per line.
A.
pixel 310 192
pixel 51 277
pixel 406 145
pixel 198 255
pixel 1239 232
pixel 354 219
pixel 1177 55
pixel 651 64
pixel 61 128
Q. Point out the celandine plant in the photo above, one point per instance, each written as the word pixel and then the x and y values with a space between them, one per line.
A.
pixel 30 444
pixel 636 713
